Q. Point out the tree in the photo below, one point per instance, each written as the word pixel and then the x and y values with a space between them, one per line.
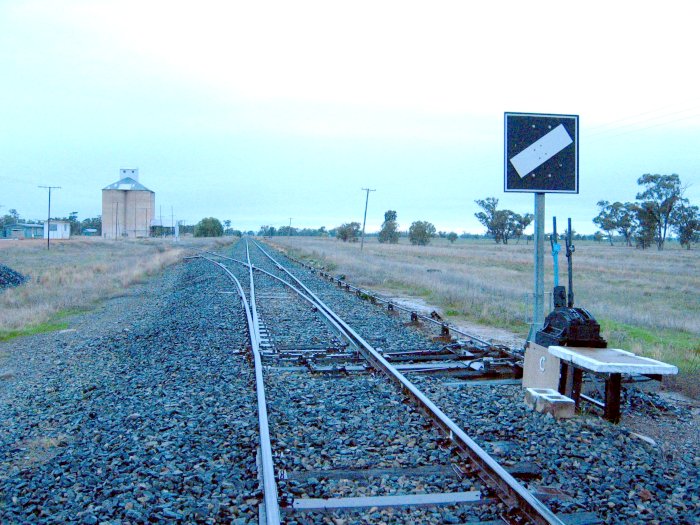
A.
pixel 208 227
pixel 617 217
pixel 390 229
pixel 74 224
pixel 662 195
pixel 488 216
pixel 685 222
pixel 625 218
pixel 267 231
pixel 520 222
pixel 92 223
pixel 452 237
pixel 645 233
pixel 349 231
pixel 421 232
pixel 605 220
pixel 501 224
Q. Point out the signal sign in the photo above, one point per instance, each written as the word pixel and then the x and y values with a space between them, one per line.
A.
pixel 541 153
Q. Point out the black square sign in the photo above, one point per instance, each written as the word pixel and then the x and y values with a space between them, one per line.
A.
pixel 541 153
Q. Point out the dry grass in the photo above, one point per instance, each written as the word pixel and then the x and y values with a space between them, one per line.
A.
pixel 75 274
pixel 647 301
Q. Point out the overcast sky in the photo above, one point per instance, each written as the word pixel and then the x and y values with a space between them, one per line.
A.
pixel 257 112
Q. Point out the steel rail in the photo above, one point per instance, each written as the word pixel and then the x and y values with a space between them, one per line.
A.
pixel 369 293
pixel 510 491
pixel 272 509
pixel 380 299
pixel 299 292
pixel 253 305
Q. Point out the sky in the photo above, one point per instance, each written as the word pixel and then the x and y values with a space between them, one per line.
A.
pixel 259 112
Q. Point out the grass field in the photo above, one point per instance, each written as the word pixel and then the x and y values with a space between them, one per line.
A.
pixel 647 301
pixel 77 273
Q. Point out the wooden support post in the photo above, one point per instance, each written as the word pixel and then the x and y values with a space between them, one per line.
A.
pixel 566 380
pixel 563 368
pixel 613 385
pixel 577 380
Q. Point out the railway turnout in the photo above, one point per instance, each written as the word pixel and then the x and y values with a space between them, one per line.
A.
pixel 305 355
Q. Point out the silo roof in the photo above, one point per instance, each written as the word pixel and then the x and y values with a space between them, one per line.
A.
pixel 127 183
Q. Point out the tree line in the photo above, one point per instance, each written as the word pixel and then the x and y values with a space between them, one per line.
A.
pixel 419 233
pixel 660 208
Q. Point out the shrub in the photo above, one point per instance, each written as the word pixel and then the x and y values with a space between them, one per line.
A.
pixel 209 227
pixel 348 231
pixel 421 232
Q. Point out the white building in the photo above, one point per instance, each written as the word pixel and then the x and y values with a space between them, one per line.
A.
pixel 57 230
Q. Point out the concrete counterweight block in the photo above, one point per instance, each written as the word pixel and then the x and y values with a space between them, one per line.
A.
pixel 549 401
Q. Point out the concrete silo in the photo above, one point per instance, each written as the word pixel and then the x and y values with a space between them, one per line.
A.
pixel 128 207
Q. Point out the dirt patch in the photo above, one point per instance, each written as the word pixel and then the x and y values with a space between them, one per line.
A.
pixel 37 451
pixel 676 434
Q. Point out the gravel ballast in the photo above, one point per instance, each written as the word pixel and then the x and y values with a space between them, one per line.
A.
pixel 598 466
pixel 145 413
pixel 10 278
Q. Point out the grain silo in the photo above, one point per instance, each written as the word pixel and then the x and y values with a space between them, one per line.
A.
pixel 128 207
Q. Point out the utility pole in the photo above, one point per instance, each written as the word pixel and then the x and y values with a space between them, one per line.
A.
pixel 289 231
pixel 48 221
pixel 362 243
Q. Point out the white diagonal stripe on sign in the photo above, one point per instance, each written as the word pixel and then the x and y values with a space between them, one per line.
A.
pixel 541 151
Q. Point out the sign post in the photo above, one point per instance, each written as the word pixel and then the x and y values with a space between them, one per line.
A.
pixel 538 311
pixel 541 156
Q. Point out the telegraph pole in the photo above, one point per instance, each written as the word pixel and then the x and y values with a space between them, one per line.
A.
pixel 289 231
pixel 48 221
pixel 362 243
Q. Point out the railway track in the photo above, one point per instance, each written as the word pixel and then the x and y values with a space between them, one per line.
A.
pixel 333 444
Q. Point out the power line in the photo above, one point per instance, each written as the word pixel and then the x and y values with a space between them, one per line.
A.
pixel 653 120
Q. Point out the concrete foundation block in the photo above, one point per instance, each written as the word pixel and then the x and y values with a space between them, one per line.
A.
pixel 532 394
pixel 549 401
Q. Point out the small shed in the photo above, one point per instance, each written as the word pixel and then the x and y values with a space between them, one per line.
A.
pixel 24 231
pixel 57 230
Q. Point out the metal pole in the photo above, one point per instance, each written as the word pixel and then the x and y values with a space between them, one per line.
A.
pixel 538 303
pixel 569 255
pixel 48 224
pixel 289 231
pixel 364 221
pixel 556 248
pixel 48 220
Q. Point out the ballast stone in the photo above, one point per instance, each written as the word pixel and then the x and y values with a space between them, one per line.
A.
pixel 549 401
